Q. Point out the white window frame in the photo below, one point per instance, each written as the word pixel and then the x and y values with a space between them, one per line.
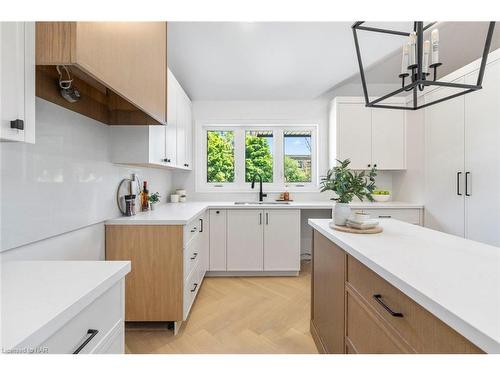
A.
pixel 239 184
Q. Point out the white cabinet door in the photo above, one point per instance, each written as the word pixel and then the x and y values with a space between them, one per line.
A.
pixel 181 127
pixel 17 77
pixel 171 128
pixel 157 144
pixel 245 240
pixel 388 139
pixel 354 134
pixel 444 163
pixel 482 158
pixel 282 240
pixel 189 134
pixel 204 228
pixel 217 240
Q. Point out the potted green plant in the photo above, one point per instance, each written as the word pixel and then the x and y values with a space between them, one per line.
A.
pixel 154 199
pixel 347 184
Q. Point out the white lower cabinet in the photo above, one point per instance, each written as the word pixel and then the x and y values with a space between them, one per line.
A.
pixel 98 328
pixel 254 240
pixel 281 240
pixel 217 242
pixel 245 238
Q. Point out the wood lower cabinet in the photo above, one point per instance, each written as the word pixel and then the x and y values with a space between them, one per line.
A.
pixel 354 310
pixel 168 266
pixel 327 302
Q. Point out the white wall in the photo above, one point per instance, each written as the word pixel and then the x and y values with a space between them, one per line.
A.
pixel 56 193
pixel 313 111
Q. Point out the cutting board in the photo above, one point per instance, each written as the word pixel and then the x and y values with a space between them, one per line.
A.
pixel 377 229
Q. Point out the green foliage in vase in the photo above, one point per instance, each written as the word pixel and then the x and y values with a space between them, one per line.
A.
pixel 347 184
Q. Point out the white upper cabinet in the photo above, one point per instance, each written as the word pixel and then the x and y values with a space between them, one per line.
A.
pixel 171 129
pixel 182 119
pixel 354 135
pixel 166 146
pixel 369 137
pixel 388 138
pixel 17 81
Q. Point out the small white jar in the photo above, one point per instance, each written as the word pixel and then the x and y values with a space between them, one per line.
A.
pixel 174 198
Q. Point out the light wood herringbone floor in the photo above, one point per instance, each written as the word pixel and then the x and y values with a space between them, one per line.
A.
pixel 238 315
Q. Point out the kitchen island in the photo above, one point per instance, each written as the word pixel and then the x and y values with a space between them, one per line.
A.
pixel 406 290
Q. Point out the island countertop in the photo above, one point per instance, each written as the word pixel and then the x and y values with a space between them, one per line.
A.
pixel 455 279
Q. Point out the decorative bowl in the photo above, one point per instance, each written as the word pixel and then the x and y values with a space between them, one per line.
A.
pixel 381 197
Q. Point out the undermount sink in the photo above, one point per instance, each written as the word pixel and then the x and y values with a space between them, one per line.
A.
pixel 258 203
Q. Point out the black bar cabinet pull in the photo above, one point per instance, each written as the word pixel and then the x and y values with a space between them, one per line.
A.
pixel 91 333
pixel 195 286
pixel 267 218
pixel 458 183
pixel 378 298
pixel 467 184
pixel 201 225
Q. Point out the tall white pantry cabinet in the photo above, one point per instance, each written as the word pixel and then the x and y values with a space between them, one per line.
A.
pixel 462 157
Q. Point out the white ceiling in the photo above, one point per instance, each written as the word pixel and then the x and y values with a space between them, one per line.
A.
pixel 270 61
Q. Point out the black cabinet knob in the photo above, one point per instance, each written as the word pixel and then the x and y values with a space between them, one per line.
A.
pixel 166 160
pixel 375 165
pixel 369 165
pixel 217 212
pixel 17 124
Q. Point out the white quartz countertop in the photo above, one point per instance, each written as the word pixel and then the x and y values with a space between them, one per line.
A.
pixel 39 297
pixel 182 213
pixel 457 280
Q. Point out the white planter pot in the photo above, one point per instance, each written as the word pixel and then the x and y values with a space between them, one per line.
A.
pixel 340 213
pixel 153 206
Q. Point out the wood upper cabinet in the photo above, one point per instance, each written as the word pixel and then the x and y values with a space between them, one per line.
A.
pixel 120 65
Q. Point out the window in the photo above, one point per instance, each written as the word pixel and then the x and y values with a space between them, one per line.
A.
pixel 259 155
pixel 231 155
pixel 297 156
pixel 220 156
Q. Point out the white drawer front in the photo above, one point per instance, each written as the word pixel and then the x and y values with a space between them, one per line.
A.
pixel 192 229
pixel 410 215
pixel 191 288
pixel 192 254
pixel 102 315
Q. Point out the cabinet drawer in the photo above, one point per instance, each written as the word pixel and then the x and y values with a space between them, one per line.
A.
pixel 419 328
pixel 192 229
pixel 191 288
pixel 103 315
pixel 409 215
pixel 192 253
pixel 364 334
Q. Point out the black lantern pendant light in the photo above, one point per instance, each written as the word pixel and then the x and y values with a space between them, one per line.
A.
pixel 418 58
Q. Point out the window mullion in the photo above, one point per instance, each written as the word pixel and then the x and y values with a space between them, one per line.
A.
pixel 278 171
pixel 239 153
